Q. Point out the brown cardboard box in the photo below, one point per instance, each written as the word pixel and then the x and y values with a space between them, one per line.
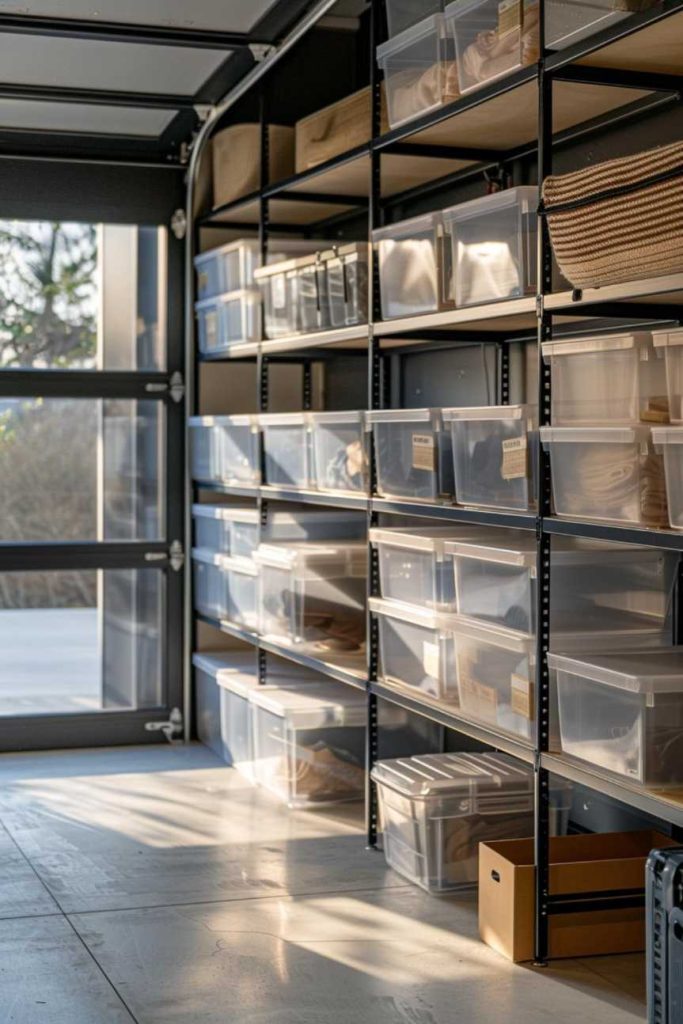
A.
pixel 335 129
pixel 578 864
pixel 237 160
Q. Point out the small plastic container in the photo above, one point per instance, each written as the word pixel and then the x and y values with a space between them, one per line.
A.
pixel 340 455
pixel 278 285
pixel 494 452
pixel 223 683
pixel 414 266
pixel 496 672
pixel 606 473
pixel 309 744
pixel 413 454
pixel 313 596
pixel 403 14
pixel 419 68
pixel 231 319
pixel 211 582
pixel 229 268
pixel 569 21
pixel 225 450
pixel 495 579
pixel 312 294
pixel 612 379
pixel 243 593
pixel 416 650
pixel 285 525
pixel 347 284
pixel 623 713
pixel 669 441
pixel 493 243
pixel 415 567
pixel 437 808
pixel 287 449
pixel 212 527
pixel 671 344
pixel 493 38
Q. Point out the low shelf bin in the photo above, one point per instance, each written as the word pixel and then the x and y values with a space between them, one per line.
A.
pixel 413 454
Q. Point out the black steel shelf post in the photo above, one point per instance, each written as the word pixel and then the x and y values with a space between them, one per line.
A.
pixel 542 688
pixel 262 377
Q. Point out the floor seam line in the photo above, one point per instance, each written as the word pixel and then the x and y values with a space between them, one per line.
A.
pixel 101 969
pixel 22 853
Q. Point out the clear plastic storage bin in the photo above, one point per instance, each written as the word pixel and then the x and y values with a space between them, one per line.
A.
pixel 223 684
pixel 496 671
pixel 278 283
pixel 228 320
pixel 671 344
pixel 347 284
pixel 309 745
pixel 612 379
pixel 493 38
pixel 416 650
pixel 495 579
pixel 412 453
pixel 314 304
pixel 340 456
pixel 228 268
pixel 624 713
pixel 243 593
pixel 419 68
pixel 212 527
pixel 569 21
pixel 669 441
pixel 287 449
pixel 494 455
pixel 607 473
pixel 211 580
pixel 403 14
pixel 314 595
pixel 285 525
pixel 493 242
pixel 413 272
pixel 436 809
pixel 225 450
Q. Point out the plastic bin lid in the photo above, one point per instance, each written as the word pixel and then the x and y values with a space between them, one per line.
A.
pixel 517 551
pixel 496 636
pixel 403 415
pixel 433 25
pixel 634 632
pixel 235 671
pixel 436 775
pixel 408 228
pixel 598 343
pixel 348 251
pixel 491 412
pixel 242 420
pixel 588 435
pixel 241 566
pixel 246 295
pixel 350 558
pixel 337 417
pixel 667 435
pixel 497 201
pixel 316 706
pixel 242 243
pixel 284 419
pixel 663 339
pixel 230 513
pixel 434 540
pixel 211 557
pixel 414 615
pixel 658 671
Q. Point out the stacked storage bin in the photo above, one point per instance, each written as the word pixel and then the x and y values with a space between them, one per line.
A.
pixel 669 440
pixel 323 451
pixel 228 308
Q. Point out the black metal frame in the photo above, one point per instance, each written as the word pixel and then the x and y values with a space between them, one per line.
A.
pixel 402 141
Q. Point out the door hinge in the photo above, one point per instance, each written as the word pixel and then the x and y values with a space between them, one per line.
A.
pixel 261 51
pixel 177 386
pixel 176 556
pixel 179 224
pixel 173 729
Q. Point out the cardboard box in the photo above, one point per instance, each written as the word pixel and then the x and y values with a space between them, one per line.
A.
pixel 335 129
pixel 237 160
pixel 588 864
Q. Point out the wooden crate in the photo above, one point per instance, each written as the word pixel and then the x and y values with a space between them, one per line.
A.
pixel 335 129
pixel 237 159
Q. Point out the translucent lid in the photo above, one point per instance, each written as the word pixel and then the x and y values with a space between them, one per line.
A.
pixel 250 244
pixel 325 418
pixel 404 416
pixel 284 419
pixel 491 412
pixel 667 435
pixel 243 420
pixel 348 558
pixel 349 251
pixel 232 670
pixel 242 295
pixel 485 205
pixel 443 774
pixel 409 228
pixel 496 636
pixel 290 261
pixel 319 705
pixel 604 435
pixel 211 557
pixel 662 339
pixel 434 539
pixel 599 343
pixel 647 672
pixel 414 615
pixel 433 25
pixel 633 632
pixel 227 513
pixel 518 551
pixel 241 566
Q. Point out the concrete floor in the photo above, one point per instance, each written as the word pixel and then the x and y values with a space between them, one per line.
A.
pixel 154 885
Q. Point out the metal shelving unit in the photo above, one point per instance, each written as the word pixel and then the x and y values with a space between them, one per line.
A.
pixel 537 111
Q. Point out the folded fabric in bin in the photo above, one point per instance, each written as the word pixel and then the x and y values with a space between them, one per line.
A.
pixel 618 221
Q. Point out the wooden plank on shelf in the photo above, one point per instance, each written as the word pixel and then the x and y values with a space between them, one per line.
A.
pixel 655 48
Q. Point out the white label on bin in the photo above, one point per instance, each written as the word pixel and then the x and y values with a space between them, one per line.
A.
pixel 431 660
pixel 522 696
pixel 424 452
pixel 515 459
pixel 509 16
pixel 278 291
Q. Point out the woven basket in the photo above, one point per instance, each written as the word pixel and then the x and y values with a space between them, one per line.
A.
pixel 619 221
